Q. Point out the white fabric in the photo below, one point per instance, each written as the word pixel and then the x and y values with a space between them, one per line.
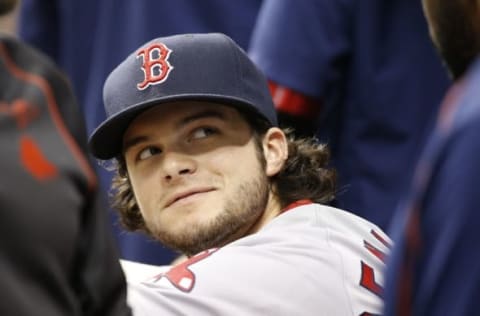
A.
pixel 307 261
pixel 137 272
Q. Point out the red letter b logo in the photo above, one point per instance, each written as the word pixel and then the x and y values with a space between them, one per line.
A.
pixel 155 64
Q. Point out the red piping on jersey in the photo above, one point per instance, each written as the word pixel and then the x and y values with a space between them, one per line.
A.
pixel 296 204
pixel 45 87
pixel 294 103
pixel 34 160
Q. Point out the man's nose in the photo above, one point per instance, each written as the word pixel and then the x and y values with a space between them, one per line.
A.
pixel 176 165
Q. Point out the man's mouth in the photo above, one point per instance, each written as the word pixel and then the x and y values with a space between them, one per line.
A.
pixel 184 195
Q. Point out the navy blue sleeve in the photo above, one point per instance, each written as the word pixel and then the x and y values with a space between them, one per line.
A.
pixel 298 43
pixel 448 277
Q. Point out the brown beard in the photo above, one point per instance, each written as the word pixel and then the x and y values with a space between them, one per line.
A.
pixel 239 215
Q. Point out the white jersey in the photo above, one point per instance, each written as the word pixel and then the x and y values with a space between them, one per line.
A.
pixel 310 260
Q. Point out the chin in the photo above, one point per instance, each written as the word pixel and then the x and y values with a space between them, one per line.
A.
pixel 189 237
pixel 182 220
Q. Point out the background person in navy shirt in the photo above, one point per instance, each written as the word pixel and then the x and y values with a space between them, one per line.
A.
pixel 434 268
pixel 364 77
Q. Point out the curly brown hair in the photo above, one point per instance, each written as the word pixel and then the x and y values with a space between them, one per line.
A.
pixel 306 174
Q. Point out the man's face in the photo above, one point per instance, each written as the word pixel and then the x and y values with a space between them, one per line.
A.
pixel 454 29
pixel 196 174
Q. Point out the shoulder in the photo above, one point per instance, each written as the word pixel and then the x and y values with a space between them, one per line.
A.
pixel 291 266
pixel 318 217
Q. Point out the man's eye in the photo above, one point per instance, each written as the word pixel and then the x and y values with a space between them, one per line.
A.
pixel 203 132
pixel 148 152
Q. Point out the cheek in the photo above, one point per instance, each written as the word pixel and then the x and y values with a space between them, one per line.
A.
pixel 143 188
pixel 236 161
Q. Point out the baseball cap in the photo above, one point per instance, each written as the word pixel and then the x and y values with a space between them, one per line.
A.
pixel 203 67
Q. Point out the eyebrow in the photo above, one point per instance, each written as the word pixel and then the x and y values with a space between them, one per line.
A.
pixel 200 115
pixel 186 120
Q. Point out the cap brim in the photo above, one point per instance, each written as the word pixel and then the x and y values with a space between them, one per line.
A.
pixel 106 140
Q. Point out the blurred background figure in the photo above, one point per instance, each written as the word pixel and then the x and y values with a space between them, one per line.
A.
pixel 57 253
pixel 9 17
pixel 433 269
pixel 88 38
pixel 364 77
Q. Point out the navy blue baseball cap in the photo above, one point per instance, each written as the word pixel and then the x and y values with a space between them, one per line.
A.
pixel 203 67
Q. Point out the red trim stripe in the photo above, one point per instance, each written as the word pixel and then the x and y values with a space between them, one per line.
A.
pixel 381 239
pixel 296 204
pixel 294 103
pixel 45 87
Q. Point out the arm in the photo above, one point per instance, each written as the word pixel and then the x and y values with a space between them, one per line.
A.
pixel 449 273
pixel 433 269
pixel 234 281
pixel 295 109
pixel 293 43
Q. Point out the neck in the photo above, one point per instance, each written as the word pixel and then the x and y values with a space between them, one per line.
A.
pixel 272 210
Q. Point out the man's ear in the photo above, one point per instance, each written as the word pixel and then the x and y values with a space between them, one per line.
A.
pixel 275 149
